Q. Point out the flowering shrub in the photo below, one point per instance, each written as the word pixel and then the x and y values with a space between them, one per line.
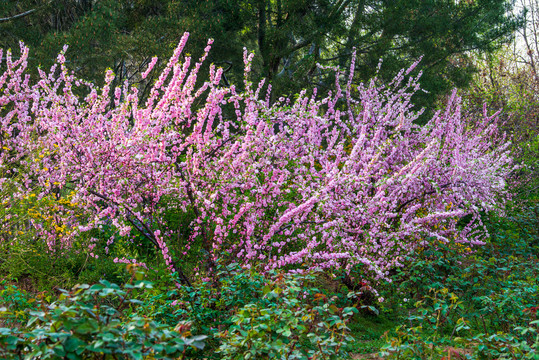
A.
pixel 341 181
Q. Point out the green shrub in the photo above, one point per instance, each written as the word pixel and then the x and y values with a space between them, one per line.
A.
pixel 289 322
pixel 17 302
pixel 261 315
pixel 425 337
pixel 96 322
pixel 522 343
pixel 434 323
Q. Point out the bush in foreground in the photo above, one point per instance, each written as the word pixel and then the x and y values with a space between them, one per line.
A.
pixel 280 316
pixel 95 322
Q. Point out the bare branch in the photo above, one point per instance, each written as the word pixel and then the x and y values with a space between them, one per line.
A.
pixel 18 16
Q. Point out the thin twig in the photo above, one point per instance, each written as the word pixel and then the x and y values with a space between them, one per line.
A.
pixel 26 13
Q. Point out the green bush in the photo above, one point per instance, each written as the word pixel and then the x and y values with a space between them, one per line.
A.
pixel 17 302
pixel 522 343
pixel 258 315
pixel 425 337
pixel 289 322
pixel 485 303
pixel 96 322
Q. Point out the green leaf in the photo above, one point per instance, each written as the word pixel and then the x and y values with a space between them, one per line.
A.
pixel 86 327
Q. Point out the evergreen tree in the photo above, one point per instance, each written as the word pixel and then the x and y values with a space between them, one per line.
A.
pixel 289 37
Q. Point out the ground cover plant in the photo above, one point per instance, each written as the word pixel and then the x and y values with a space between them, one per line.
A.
pixel 265 225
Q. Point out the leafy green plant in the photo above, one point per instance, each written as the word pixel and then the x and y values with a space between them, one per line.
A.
pixel 494 314
pixel 522 343
pixel 97 322
pixel 290 322
pixel 285 315
pixel 432 328
pixel 16 301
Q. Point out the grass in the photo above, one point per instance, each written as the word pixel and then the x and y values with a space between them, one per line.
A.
pixel 370 331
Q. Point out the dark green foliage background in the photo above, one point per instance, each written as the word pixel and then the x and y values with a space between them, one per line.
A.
pixel 288 36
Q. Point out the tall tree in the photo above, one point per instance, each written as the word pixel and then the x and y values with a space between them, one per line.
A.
pixel 445 32
pixel 289 37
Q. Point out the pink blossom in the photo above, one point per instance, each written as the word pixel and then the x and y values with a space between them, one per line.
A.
pixel 295 183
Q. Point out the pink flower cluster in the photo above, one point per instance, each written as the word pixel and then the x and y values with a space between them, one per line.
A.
pixel 322 182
